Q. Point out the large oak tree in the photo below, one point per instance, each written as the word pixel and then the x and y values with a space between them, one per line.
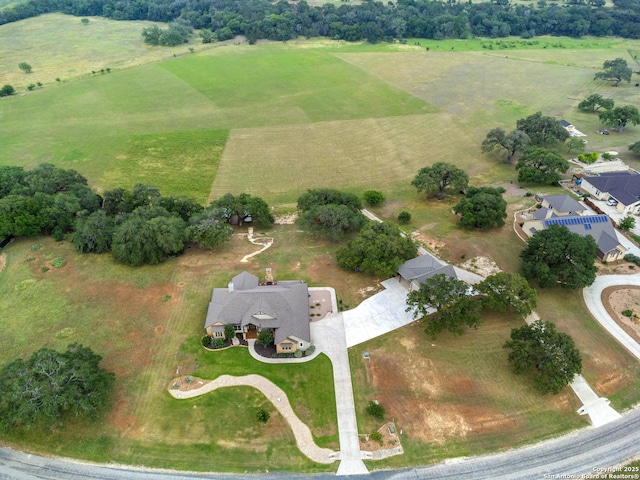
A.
pixel 556 256
pixel 435 180
pixel 539 165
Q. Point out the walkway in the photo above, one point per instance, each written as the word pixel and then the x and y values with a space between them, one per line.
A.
pixel 304 439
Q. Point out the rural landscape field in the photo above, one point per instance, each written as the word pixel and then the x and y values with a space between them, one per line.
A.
pixel 274 120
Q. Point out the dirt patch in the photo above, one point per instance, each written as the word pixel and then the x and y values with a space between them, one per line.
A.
pixel 3 261
pixel 432 244
pixel 618 268
pixel 387 440
pixel 618 299
pixel 186 383
pixel 513 190
pixel 483 266
pixel 286 219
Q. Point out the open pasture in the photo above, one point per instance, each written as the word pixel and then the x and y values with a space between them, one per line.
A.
pixel 60 46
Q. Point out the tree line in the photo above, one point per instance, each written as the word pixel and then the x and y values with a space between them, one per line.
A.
pixel 138 226
pixel 371 21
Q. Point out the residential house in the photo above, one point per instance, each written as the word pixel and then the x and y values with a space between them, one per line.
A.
pixel 620 187
pixel 414 272
pixel 597 226
pixel 280 307
pixel 552 206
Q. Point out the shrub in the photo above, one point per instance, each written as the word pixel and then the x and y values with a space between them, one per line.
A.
pixel 630 257
pixel 229 331
pixel 404 217
pixel 588 158
pixel 376 437
pixel 376 410
pixel 265 337
pixel 58 262
pixel 628 313
pixel 217 342
pixel 44 268
pixel 311 349
pixel 262 416
pixel 373 197
pixel 297 354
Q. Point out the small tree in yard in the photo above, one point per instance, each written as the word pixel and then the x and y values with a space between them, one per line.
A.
pixel 616 71
pixel 376 410
pixel 373 197
pixel 265 338
pixel 25 67
pixel 229 331
pixel 627 223
pixel 551 356
pixel 262 416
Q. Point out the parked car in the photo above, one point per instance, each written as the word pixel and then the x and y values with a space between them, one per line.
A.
pixel 603 132
pixel 612 202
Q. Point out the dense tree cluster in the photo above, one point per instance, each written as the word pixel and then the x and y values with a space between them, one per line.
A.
pixel 330 212
pixel 43 201
pixel 139 226
pixel 550 355
pixel 450 304
pixel 372 21
pixel 176 34
pixel 51 387
pixel 379 249
pixel 539 165
pixel 556 256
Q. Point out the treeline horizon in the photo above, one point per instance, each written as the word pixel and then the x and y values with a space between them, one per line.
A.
pixel 370 21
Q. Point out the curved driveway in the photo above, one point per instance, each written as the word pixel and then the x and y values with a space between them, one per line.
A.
pixel 593 299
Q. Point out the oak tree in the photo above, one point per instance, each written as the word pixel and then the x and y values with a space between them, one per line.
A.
pixel 439 177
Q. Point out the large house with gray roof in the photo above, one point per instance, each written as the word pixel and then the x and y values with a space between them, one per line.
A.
pixel 564 211
pixel 250 306
pixel 623 187
pixel 416 271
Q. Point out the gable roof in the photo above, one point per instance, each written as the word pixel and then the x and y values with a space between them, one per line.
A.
pixel 283 307
pixel 597 226
pixel 424 267
pixel 563 203
pixel 623 186
pixel 564 123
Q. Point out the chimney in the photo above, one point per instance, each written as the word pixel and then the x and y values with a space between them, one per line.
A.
pixel 268 278
pixel 230 287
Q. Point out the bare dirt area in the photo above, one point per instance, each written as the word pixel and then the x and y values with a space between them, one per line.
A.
pixel 626 298
pixel 618 268
pixel 429 242
pixel 411 387
pixel 387 440
pixel 483 266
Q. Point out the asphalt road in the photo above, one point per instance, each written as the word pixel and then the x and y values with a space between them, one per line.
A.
pixel 578 454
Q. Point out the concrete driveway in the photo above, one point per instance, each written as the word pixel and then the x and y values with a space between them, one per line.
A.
pixel 593 299
pixel 378 315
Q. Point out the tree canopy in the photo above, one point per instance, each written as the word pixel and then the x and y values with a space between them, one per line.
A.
pixel 379 249
pixel 328 196
pixel 512 142
pixel 556 256
pixel 208 228
pixel 550 356
pixel 243 208
pixel 542 130
pixel 440 177
pixel 619 117
pixel 503 292
pixel 595 102
pixel 445 304
pixel 539 165
pixel 482 208
pixel 635 148
pixel 332 220
pixel 615 70
pixel 51 387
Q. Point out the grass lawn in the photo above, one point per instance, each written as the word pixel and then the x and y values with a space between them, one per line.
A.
pixel 145 322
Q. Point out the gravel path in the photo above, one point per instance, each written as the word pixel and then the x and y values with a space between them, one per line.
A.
pixel 304 439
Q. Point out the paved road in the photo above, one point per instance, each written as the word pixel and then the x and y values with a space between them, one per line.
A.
pixel 575 454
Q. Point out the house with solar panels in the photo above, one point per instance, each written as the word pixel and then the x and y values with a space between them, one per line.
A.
pixel 620 189
pixel 597 226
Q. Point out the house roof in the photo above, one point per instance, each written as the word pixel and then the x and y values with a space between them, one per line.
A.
pixel 424 267
pixel 564 123
pixel 541 213
pixel 623 186
pixel 283 307
pixel 563 203
pixel 597 226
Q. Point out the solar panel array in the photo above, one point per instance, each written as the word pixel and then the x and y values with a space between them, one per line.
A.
pixel 586 220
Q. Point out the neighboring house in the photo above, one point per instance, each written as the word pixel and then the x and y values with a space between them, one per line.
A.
pixel 620 187
pixel 280 307
pixel 597 226
pixel 414 272
pixel 573 131
pixel 552 206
